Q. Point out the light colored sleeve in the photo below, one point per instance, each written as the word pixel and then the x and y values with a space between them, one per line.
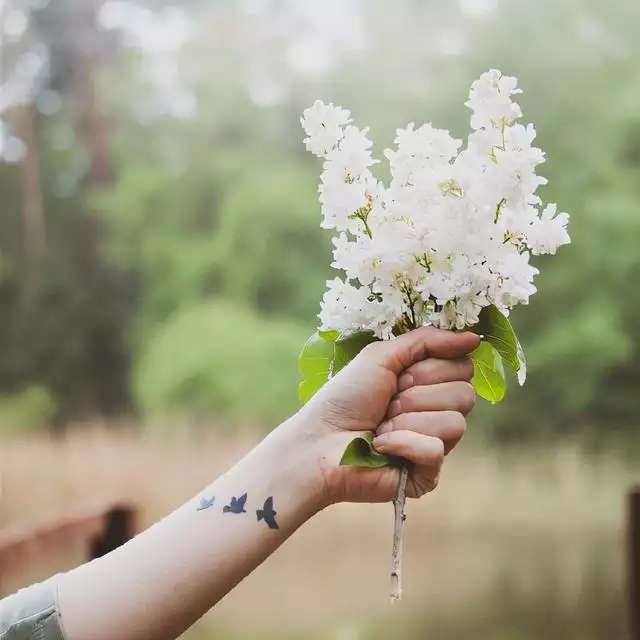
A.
pixel 32 614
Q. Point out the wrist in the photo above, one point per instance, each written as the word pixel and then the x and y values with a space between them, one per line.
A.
pixel 313 450
pixel 292 457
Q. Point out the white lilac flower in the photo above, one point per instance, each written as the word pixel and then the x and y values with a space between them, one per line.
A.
pixel 346 184
pixel 454 230
pixel 419 153
pixel 490 100
pixel 324 125
pixel 548 232
pixel 347 309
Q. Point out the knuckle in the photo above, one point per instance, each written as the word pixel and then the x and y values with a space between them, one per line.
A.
pixel 434 370
pixel 409 398
pixel 407 421
pixel 397 406
pixel 425 371
pixel 373 349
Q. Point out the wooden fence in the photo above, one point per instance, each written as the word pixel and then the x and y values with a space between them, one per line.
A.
pixel 102 528
pixel 96 529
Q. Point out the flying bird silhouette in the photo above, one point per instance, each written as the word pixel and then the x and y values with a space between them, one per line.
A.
pixel 268 514
pixel 236 505
pixel 205 503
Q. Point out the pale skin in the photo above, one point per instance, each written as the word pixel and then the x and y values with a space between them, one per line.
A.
pixel 413 392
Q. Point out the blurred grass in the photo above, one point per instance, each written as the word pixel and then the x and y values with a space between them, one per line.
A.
pixel 526 544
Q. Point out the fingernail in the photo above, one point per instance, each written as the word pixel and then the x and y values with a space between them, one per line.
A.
pixel 405 381
pixel 380 442
pixel 395 408
pixel 481 336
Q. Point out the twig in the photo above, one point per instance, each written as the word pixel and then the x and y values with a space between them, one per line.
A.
pixel 398 531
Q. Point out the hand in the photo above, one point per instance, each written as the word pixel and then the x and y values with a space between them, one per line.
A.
pixel 411 390
pixel 414 393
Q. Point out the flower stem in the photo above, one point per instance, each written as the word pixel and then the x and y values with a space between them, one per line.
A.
pixel 398 533
pixel 408 292
pixel 367 228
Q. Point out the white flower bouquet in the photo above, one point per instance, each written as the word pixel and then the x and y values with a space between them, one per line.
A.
pixel 448 242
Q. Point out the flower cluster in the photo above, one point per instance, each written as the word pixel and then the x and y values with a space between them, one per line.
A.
pixel 453 231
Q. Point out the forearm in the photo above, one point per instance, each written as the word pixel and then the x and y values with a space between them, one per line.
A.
pixel 161 582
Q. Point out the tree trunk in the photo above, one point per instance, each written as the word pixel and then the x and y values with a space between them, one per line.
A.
pixel 32 204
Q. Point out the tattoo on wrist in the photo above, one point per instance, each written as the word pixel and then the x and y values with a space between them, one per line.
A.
pixel 237 505
pixel 206 503
pixel 268 514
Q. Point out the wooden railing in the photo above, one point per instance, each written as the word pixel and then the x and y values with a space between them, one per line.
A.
pixel 96 529
pixel 101 528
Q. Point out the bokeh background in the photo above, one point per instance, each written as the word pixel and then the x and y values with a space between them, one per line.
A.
pixel 161 264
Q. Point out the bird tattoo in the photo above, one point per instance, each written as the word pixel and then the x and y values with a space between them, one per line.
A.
pixel 236 505
pixel 205 503
pixel 268 514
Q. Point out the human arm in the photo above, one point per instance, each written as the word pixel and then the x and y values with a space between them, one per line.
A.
pixel 161 582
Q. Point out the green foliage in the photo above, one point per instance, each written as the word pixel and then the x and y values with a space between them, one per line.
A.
pixel 63 319
pixel 223 204
pixel 496 329
pixel 314 365
pixel 268 250
pixel 220 359
pixel 29 410
pixel 348 347
pixel 360 453
pixel 488 378
pixel 324 355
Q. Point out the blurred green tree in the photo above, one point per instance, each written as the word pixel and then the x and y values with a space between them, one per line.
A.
pixel 206 198
pixel 220 360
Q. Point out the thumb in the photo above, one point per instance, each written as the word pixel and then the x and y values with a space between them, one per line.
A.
pixel 400 353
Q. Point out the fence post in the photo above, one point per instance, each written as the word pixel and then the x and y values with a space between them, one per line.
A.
pixel 633 563
pixel 119 527
pixel 99 528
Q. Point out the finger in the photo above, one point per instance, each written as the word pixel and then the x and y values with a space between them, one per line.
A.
pixel 425 451
pixel 400 353
pixel 448 426
pixel 434 371
pixel 447 396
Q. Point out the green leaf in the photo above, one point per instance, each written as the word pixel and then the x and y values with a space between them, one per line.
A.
pixel 314 365
pixel 324 355
pixel 522 371
pixel 349 347
pixel 496 329
pixel 488 378
pixel 360 453
pixel 308 387
pixel 329 336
